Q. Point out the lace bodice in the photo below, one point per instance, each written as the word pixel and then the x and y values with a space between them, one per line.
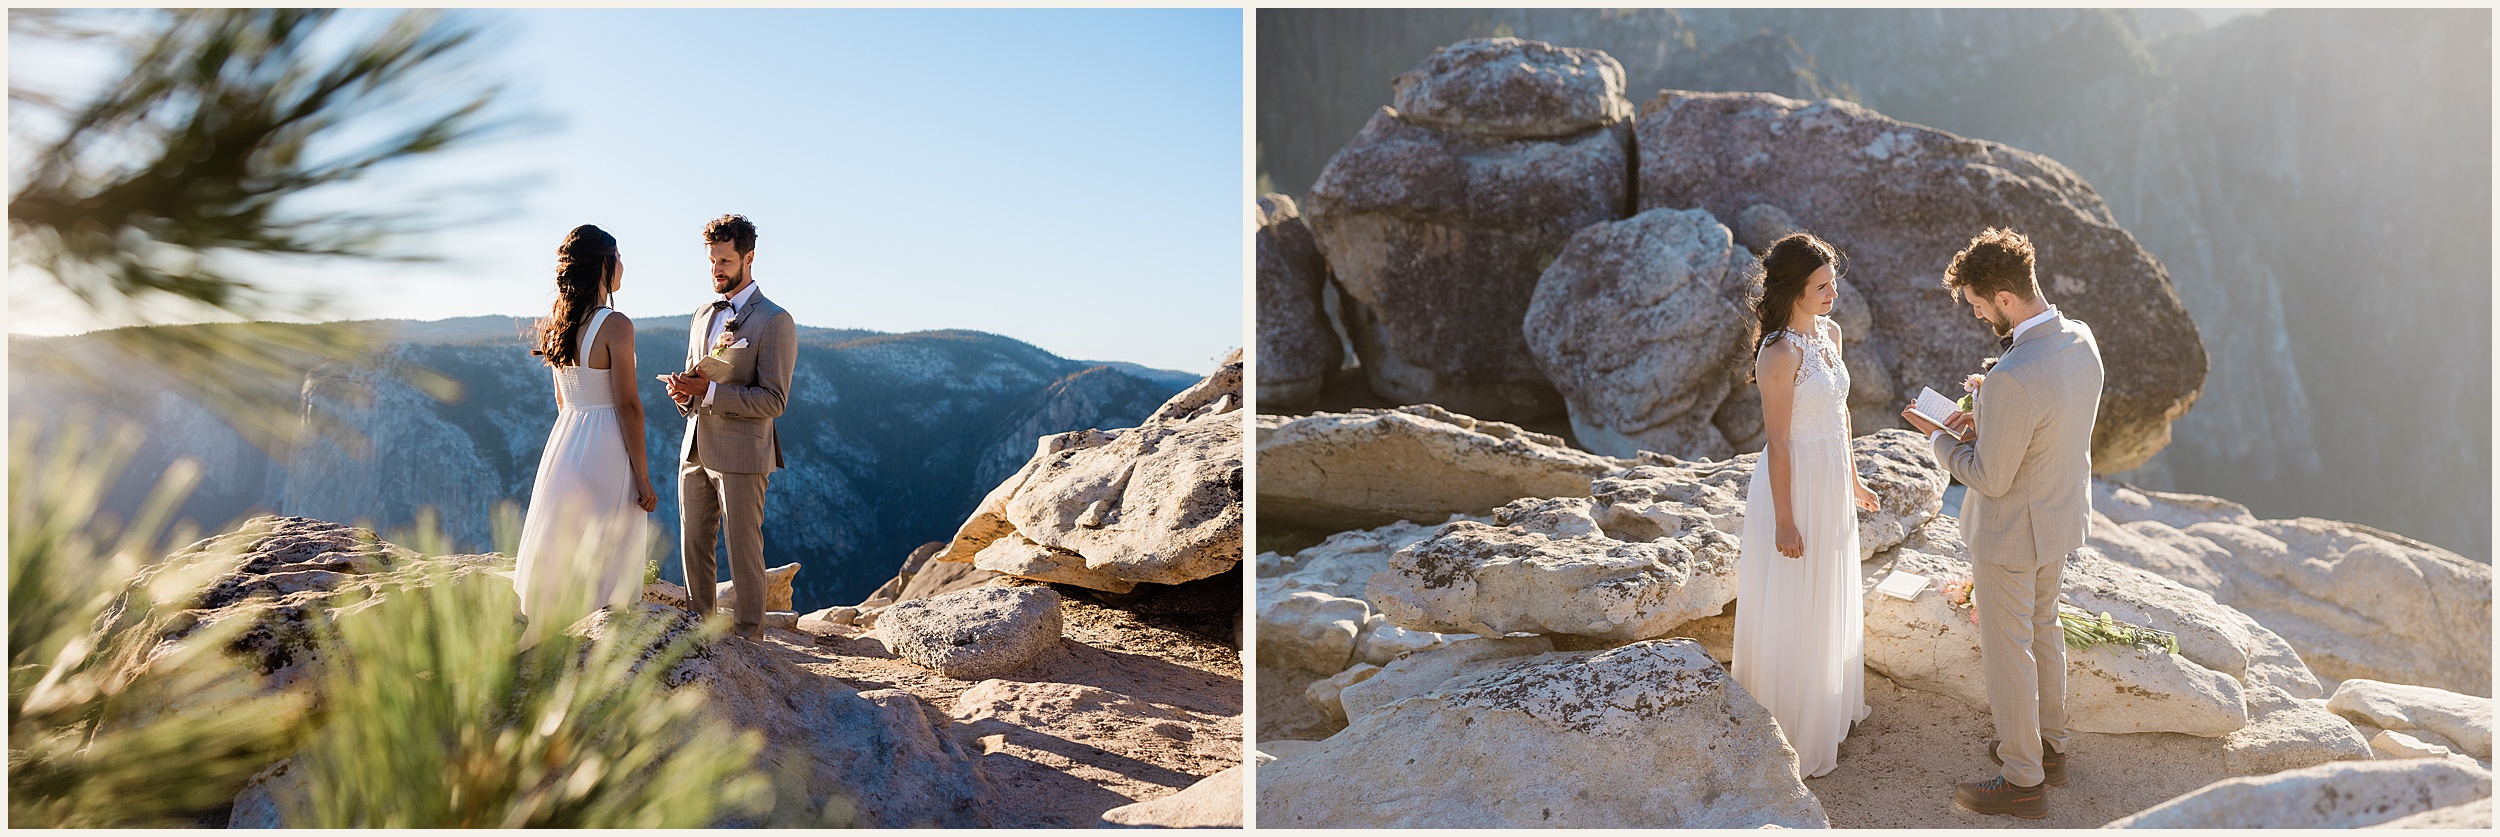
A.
pixel 585 388
pixel 1820 411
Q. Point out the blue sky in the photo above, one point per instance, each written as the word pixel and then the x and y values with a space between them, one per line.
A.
pixel 1070 178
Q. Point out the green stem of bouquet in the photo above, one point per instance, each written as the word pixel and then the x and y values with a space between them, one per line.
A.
pixel 2088 631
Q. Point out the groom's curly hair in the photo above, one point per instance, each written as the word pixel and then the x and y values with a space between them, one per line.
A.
pixel 1997 259
pixel 734 229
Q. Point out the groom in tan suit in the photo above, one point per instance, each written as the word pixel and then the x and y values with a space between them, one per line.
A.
pixel 731 448
pixel 2028 469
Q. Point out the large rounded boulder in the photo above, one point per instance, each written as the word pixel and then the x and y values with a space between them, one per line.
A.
pixel 1298 348
pixel 1899 200
pixel 1440 215
pixel 1637 323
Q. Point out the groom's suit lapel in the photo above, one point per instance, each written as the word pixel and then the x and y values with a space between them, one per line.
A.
pixel 702 324
pixel 759 309
pixel 694 333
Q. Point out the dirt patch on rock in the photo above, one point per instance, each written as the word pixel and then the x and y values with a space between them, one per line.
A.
pixel 1126 709
pixel 1898 768
pixel 1284 713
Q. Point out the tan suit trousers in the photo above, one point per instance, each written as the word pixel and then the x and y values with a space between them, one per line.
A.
pixel 712 498
pixel 2023 652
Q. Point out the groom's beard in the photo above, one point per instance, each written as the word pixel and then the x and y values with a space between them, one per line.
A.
pixel 2001 324
pixel 723 284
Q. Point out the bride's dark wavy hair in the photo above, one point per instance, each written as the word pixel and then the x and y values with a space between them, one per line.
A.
pixel 583 262
pixel 1780 280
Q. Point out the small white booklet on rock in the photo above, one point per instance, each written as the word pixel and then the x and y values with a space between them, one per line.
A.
pixel 1901 585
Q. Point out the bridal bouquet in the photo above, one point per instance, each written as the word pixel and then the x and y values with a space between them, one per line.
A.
pixel 1956 591
pixel 2084 631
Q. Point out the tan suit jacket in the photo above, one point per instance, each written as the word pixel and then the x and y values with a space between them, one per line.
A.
pixel 735 434
pixel 2029 473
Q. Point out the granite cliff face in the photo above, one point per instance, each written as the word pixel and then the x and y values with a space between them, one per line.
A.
pixel 890 438
pixel 2258 160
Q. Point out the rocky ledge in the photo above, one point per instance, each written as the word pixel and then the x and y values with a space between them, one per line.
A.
pixel 982 699
pixel 1108 510
pixel 1552 740
pixel 1117 708
pixel 1498 637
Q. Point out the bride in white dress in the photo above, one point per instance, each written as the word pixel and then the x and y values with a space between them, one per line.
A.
pixel 1800 643
pixel 588 531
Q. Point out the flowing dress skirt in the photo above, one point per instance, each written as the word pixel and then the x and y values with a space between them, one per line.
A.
pixel 1800 624
pixel 584 541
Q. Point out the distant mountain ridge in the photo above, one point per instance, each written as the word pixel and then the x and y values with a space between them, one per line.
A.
pixel 891 439
pixel 492 328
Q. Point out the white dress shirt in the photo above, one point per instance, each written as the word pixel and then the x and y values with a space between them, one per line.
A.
pixel 711 334
pixel 2026 325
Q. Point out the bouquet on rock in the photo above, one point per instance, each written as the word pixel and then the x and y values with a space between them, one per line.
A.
pixel 2083 630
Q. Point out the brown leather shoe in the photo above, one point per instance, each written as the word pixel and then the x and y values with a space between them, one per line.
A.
pixel 2052 762
pixel 1997 796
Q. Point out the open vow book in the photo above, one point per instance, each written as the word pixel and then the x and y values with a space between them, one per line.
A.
pixel 1934 407
pixel 711 367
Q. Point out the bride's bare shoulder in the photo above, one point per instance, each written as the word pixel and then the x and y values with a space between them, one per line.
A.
pixel 1779 353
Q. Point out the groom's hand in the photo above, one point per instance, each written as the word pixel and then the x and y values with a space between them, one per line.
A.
pixel 684 388
pixel 1961 424
pixel 1919 420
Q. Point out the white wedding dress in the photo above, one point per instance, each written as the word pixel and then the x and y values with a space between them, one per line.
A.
pixel 584 541
pixel 1800 635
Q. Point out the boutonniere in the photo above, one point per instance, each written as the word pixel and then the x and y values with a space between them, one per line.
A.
pixel 728 340
pixel 1969 403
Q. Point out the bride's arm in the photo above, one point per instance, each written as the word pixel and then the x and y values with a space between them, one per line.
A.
pixel 1775 372
pixel 1849 425
pixel 619 335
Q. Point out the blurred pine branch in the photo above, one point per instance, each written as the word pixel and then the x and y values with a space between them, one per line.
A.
pixel 213 146
pixel 209 147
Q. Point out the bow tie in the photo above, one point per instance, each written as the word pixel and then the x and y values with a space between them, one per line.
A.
pixel 2006 343
pixel 720 305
